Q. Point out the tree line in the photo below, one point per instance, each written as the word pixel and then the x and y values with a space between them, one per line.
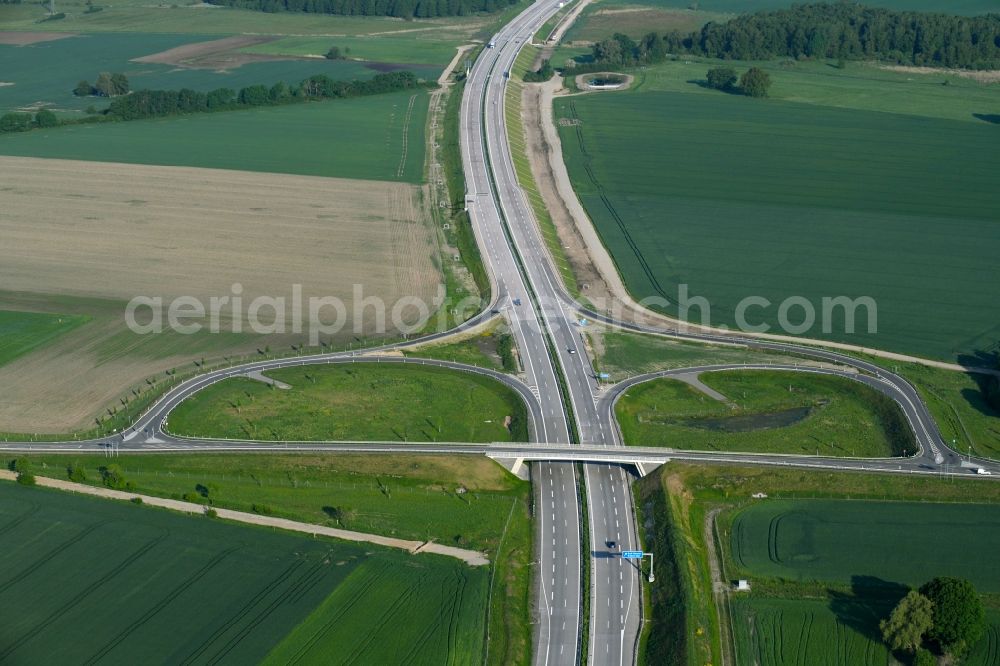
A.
pixel 396 8
pixel 154 103
pixel 839 31
pixel 157 103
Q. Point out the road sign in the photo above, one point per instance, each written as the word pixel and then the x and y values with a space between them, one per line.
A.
pixel 632 554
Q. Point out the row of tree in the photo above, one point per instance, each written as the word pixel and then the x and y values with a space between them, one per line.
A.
pixel 397 8
pixel 22 122
pixel 839 31
pixel 152 103
pixel 945 615
pixel 107 85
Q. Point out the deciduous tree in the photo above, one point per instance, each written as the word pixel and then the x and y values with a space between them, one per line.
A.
pixel 909 621
pixel 755 82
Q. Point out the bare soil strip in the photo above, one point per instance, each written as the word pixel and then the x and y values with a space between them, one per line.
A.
pixel 13 38
pixel 214 54
pixel 470 557
pixel 985 76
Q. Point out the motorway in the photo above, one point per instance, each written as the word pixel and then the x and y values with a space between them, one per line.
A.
pixel 509 236
pixel 572 418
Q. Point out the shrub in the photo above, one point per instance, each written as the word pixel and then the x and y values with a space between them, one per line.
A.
pixel 136 500
pixel 211 513
pixel 722 78
pixel 76 473
pixel 26 479
pixel 46 118
pixel 262 509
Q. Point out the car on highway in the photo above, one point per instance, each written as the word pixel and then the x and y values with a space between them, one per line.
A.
pixel 613 545
pixel 571 351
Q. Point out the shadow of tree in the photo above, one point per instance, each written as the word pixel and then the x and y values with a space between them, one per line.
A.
pixel 870 600
pixel 702 83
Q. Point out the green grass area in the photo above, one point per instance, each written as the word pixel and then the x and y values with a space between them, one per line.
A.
pixel 410 497
pixel 857 541
pixel 685 626
pixel 415 404
pixel 624 355
pixel 117 582
pixel 479 349
pixel 860 86
pixel 427 50
pixel 767 412
pixel 956 401
pixel 636 19
pixel 141 16
pixel 20 332
pixel 46 73
pixel 309 139
pixel 737 197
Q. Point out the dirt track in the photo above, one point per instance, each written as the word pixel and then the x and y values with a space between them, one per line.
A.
pixel 470 557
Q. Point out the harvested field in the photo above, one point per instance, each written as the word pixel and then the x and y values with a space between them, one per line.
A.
pixel 26 38
pixel 98 234
pixel 214 54
pixel 195 232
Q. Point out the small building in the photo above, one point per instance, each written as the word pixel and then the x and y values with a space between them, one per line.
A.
pixel 742 585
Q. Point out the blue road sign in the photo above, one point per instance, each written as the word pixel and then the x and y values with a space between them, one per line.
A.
pixel 632 554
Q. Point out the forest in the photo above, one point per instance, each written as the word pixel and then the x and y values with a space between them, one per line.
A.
pixel 395 8
pixel 843 31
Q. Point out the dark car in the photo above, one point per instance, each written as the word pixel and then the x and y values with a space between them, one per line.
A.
pixel 613 545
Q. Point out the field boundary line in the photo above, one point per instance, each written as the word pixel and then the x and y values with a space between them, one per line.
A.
pixel 470 557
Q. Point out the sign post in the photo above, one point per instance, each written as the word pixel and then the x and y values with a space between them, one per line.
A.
pixel 638 555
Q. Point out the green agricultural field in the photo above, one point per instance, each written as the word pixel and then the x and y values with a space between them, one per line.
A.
pixel 415 404
pixel 864 543
pixel 766 412
pixel 142 16
pixel 427 51
pixel 780 632
pixel 737 197
pixel 44 74
pixel 90 579
pixel 636 18
pixel 409 497
pixel 887 542
pixel 385 141
pixel 20 332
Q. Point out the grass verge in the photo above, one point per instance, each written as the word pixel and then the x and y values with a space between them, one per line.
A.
pixel 336 402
